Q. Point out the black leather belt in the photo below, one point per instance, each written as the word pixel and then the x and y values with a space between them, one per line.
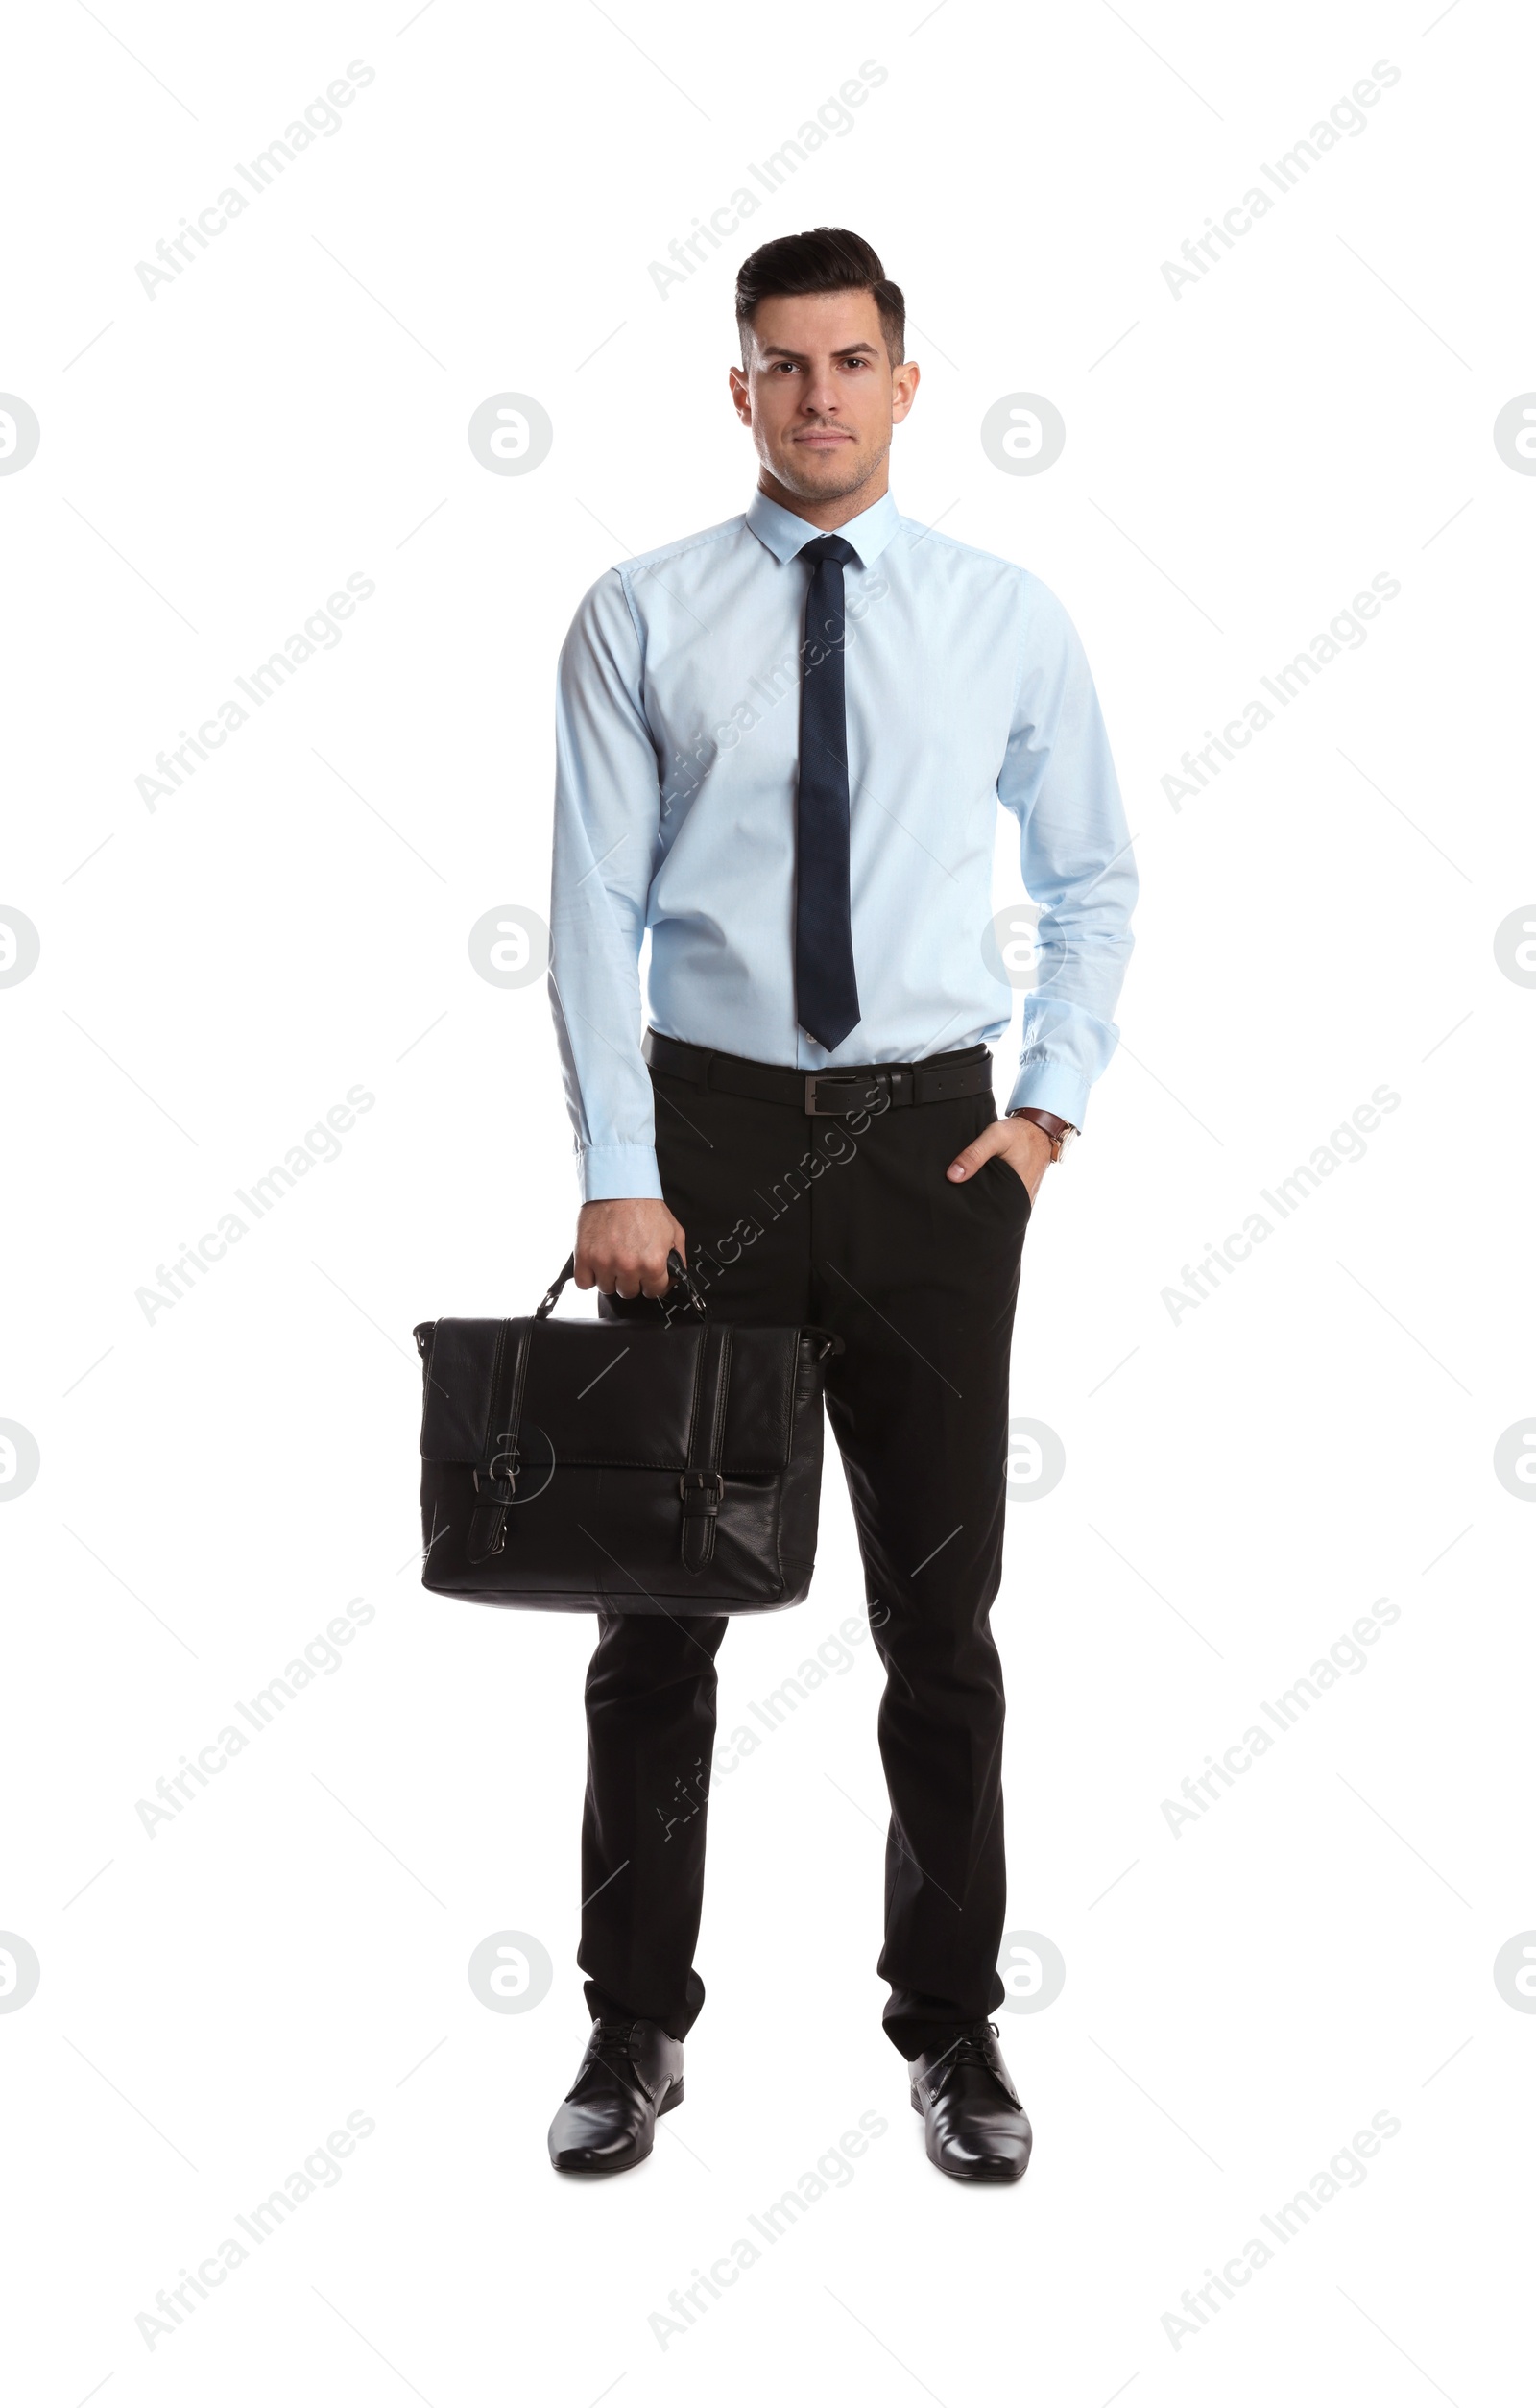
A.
pixel 938 1080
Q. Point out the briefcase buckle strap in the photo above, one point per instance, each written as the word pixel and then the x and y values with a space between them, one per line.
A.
pixel 496 1475
pixel 499 1475
pixel 701 1486
pixel 495 1488
pixel 703 1494
pixel 487 1525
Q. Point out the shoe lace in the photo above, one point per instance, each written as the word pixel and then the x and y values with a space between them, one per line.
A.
pixel 614 2038
pixel 613 2044
pixel 971 2049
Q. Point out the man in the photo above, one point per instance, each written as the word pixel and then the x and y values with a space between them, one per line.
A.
pixel 782 748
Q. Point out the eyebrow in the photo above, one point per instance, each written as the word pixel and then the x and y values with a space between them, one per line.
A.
pixel 844 350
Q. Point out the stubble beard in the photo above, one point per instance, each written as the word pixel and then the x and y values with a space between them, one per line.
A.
pixel 844 471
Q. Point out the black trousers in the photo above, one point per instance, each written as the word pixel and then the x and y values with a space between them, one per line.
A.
pixel 852 1225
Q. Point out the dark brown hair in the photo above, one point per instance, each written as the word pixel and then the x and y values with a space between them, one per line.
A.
pixel 825 259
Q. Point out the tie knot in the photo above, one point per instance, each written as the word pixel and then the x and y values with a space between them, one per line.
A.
pixel 829 547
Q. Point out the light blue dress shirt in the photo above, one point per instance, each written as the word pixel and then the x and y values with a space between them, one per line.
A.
pixel 676 749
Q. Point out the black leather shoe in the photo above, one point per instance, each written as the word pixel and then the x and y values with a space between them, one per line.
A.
pixel 631 2073
pixel 974 2123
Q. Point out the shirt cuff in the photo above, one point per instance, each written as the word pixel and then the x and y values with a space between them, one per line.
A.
pixel 611 1172
pixel 1052 1087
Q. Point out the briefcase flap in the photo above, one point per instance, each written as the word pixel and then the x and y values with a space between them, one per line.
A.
pixel 616 1393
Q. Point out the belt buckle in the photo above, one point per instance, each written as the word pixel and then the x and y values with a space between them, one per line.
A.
pixel 878 1082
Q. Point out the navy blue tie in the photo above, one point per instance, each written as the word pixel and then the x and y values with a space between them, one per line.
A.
pixel 827 1001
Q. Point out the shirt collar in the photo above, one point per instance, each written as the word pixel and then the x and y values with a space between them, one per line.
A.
pixel 784 535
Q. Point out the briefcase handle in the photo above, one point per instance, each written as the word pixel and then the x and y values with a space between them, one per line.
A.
pixel 682 1296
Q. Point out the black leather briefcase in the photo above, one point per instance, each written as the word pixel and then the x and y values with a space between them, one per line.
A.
pixel 616 1467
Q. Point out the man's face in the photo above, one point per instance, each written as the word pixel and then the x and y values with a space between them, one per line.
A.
pixel 819 392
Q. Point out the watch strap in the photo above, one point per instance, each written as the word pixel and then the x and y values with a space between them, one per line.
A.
pixel 1050 1121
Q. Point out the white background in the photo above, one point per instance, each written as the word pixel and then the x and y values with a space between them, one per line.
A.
pixel 1241 1482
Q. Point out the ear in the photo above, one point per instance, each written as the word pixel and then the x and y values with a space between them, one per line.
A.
pixel 904 383
pixel 741 394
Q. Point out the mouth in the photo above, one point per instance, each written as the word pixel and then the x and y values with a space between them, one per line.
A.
pixel 822 439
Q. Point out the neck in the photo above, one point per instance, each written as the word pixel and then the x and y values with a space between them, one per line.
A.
pixel 829 515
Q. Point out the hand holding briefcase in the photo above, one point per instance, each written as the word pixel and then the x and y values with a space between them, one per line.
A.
pixel 606 1466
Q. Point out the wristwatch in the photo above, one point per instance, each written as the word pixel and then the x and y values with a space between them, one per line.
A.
pixel 1060 1132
